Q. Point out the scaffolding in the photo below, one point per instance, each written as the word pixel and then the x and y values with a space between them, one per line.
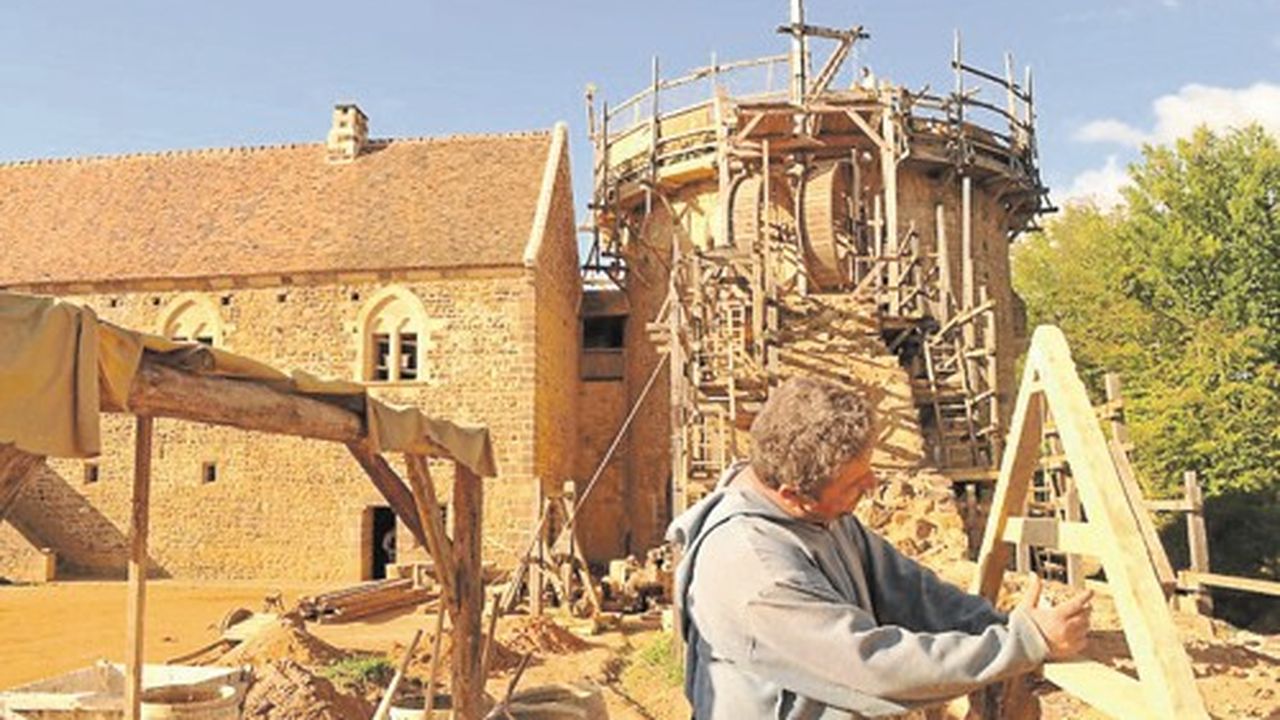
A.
pixel 803 182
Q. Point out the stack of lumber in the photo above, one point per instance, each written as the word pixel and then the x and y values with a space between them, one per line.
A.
pixel 363 600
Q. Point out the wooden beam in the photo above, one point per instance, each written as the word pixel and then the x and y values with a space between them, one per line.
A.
pixel 468 686
pixel 1168 682
pixel 136 605
pixel 1150 538
pixel 424 495
pixel 388 483
pixel 1191 579
pixel 1016 468
pixel 160 391
pixel 1111 691
pixel 1051 534
pixel 17 467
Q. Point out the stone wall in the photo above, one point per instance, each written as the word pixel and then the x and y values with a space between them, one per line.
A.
pixel 602 524
pixel 290 508
pixel 558 340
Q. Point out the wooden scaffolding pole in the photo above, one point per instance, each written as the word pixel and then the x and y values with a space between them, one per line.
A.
pixel 137 600
pixel 468 685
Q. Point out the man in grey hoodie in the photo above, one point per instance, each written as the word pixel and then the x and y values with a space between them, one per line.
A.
pixel 792 609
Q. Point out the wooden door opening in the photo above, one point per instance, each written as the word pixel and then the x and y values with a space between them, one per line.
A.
pixel 381 541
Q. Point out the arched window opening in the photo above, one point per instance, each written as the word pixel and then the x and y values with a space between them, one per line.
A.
pixel 192 318
pixel 394 324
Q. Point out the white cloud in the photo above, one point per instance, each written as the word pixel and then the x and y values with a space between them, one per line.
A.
pixel 1110 131
pixel 1177 115
pixel 1100 186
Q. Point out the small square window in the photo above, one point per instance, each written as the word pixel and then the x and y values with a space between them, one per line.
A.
pixel 91 473
pixel 209 472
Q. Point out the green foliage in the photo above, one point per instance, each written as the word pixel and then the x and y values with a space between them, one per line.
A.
pixel 1179 292
pixel 360 672
pixel 658 658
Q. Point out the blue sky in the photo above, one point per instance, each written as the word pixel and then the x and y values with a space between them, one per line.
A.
pixel 92 78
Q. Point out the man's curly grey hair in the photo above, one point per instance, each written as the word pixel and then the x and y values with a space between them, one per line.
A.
pixel 806 431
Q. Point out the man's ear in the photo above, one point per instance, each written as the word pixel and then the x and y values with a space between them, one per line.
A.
pixel 794 496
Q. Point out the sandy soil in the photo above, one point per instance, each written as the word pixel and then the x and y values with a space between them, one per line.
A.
pixel 49 629
pixel 45 630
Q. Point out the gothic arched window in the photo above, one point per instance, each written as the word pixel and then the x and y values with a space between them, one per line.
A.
pixel 192 318
pixel 392 337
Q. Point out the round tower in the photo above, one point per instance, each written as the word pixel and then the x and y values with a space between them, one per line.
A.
pixel 765 218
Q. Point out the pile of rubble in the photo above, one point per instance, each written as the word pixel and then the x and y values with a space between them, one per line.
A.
pixel 285 690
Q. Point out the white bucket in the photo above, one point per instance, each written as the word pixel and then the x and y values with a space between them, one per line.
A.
pixel 186 702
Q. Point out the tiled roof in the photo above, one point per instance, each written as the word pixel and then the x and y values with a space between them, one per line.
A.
pixel 403 204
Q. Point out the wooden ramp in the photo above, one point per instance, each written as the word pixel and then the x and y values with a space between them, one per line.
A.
pixel 1165 686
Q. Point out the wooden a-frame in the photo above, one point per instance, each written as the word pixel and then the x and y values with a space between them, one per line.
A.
pixel 1165 687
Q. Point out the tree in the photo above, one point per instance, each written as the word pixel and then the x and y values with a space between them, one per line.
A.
pixel 1179 291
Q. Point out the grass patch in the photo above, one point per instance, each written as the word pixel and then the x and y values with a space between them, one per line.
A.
pixel 657 659
pixel 358 673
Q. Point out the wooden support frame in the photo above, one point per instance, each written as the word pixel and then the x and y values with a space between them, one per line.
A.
pixel 1166 685
pixel 136 604
pixel 163 390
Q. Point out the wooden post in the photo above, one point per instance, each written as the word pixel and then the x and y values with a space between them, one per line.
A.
pixel 1071 513
pixel 943 262
pixel 428 511
pixel 468 685
pixel 1197 539
pixel 136 604
pixel 889 172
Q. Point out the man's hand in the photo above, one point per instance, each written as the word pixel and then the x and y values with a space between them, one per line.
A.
pixel 1064 626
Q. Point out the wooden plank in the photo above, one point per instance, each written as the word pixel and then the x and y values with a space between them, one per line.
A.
pixel 1150 538
pixel 1168 682
pixel 135 610
pixel 468 685
pixel 1052 534
pixel 17 467
pixel 428 506
pixel 1167 506
pixel 385 479
pixel 1016 468
pixel 1191 578
pixel 1108 690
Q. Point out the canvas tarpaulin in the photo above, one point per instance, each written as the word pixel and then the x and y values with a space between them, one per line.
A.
pixel 60 366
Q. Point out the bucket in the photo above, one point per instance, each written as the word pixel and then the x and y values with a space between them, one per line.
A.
pixel 413 707
pixel 190 702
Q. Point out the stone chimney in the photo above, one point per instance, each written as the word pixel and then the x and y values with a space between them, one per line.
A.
pixel 348 134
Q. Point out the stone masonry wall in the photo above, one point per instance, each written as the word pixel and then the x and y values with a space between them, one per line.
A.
pixel 291 508
pixel 559 337
pixel 602 406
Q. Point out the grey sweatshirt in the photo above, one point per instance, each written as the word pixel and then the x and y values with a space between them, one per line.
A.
pixel 785 618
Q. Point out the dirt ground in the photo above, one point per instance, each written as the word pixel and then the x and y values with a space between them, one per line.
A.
pixel 50 629
pixel 46 630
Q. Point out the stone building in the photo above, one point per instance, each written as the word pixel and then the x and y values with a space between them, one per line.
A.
pixel 441 271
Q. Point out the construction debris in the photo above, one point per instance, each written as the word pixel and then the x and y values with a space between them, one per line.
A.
pixel 636 588
pixel 540 634
pixel 285 690
pixel 364 599
pixel 286 639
